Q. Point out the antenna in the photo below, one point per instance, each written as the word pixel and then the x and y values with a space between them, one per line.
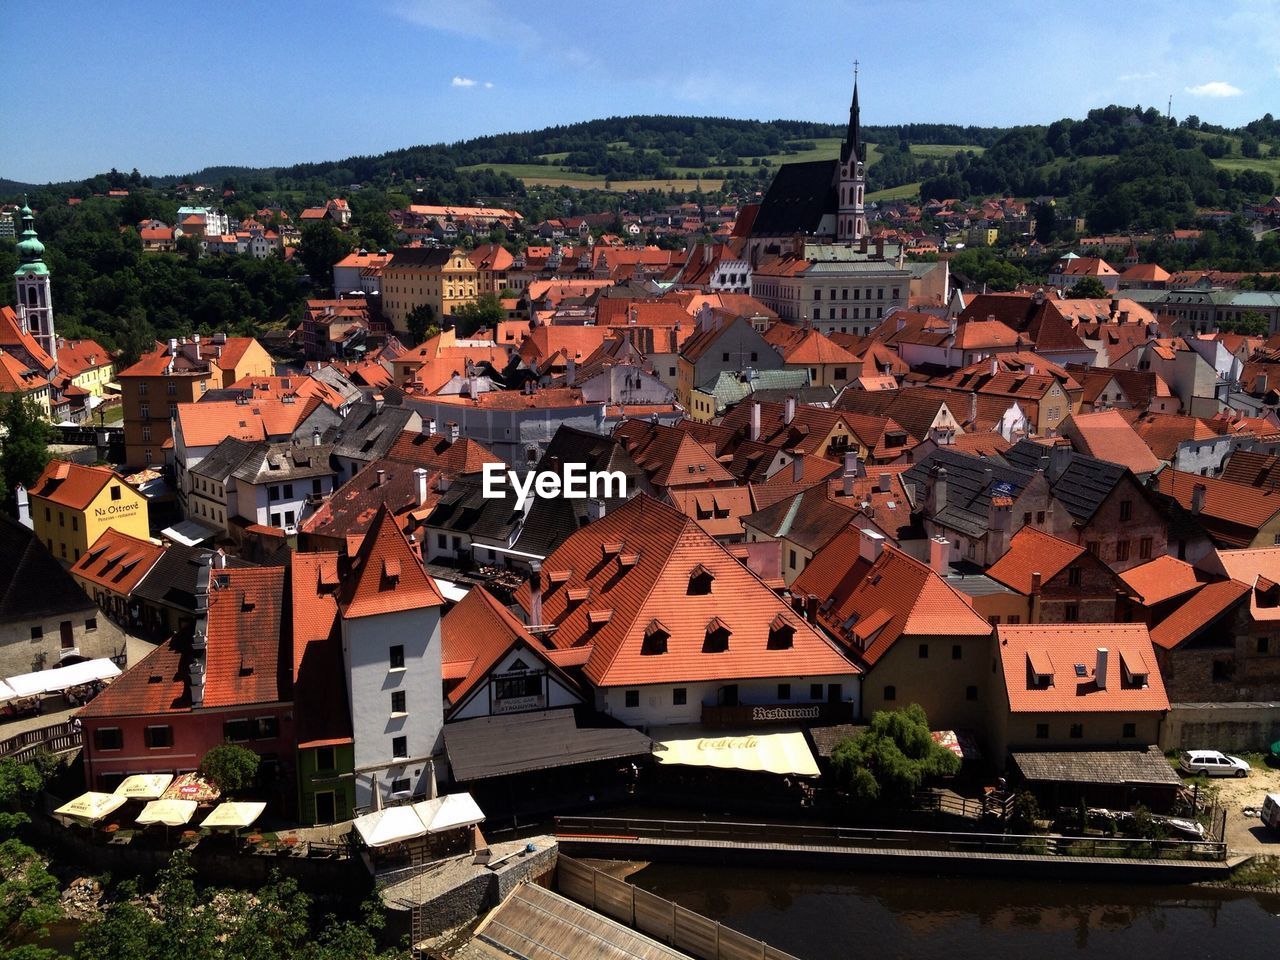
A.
pixel 1169 112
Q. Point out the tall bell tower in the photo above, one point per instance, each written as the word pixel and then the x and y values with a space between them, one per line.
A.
pixel 35 304
pixel 851 216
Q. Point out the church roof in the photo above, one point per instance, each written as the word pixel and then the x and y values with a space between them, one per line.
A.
pixel 800 195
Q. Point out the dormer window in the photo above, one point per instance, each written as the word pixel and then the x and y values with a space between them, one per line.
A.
pixel 656 636
pixel 782 634
pixel 700 579
pixel 717 636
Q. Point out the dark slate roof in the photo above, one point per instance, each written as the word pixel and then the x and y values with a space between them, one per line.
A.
pixel 367 433
pixel 421 257
pixel 968 506
pixel 1144 765
pixel 278 462
pixel 521 742
pixel 33 585
pixel 809 519
pixel 172 581
pixel 463 508
pixel 800 195
pixel 223 460
pixel 1081 482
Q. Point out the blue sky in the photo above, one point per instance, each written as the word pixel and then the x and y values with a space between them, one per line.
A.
pixel 173 87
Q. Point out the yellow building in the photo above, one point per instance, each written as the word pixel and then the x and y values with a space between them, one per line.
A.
pixel 72 505
pixel 87 364
pixel 443 278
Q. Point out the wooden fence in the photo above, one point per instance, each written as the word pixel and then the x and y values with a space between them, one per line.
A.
pixel 656 917
pixel 58 738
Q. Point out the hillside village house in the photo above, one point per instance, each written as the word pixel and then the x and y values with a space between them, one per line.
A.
pixel 439 277
pixel 73 505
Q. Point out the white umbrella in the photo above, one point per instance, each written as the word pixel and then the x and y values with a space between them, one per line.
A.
pixel 233 815
pixel 144 786
pixel 172 813
pixel 383 827
pixel 91 807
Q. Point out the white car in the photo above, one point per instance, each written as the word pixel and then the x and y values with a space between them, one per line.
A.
pixel 1213 764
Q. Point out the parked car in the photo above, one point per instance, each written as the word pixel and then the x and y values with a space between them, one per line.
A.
pixel 1270 814
pixel 1213 764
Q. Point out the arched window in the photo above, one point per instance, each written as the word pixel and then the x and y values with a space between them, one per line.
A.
pixel 32 297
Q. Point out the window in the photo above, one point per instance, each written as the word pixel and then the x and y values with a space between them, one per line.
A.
pixel 1042 731
pixel 400 748
pixel 442 541
pixel 1126 509
pixel 37 633
pixel 971 692
pixel 273 493
pixel 957 652
pixel 890 691
pixel 237 731
pixel 679 696
pixel 1129 731
pixel 1071 613
pixel 521 685
pixel 75 523
pixel 924 651
pixel 396 657
pixel 1122 550
pixel 400 786
pixel 1039 516
pixel 1094 547
pixel 67 635
pixel 398 702
pixel 784 691
pixel 815 691
pixel 1077 731
pixel 1073 576
pixel 62 519
pixel 791 559
pixel 91 625
pixel 158 738
pixel 326 758
pixel 108 738
pixel 1144 548
pixel 1264 644
pixel 632 699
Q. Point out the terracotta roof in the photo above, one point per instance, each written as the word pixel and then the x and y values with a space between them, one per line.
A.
pixel 670 457
pixel 436 452
pixel 869 605
pixel 1198 611
pixel 1161 579
pixel 717 510
pixel 1253 468
pixel 243 656
pixel 1069 652
pixel 207 423
pixel 13 337
pixel 319 691
pixel 1108 436
pixel 1231 513
pixel 385 575
pixel 17 377
pixel 72 485
pixel 352 508
pixel 191 357
pixel 1031 551
pixel 669 548
pixel 77 356
pixel 118 561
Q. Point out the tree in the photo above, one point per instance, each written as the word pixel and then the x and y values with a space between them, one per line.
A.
pixel 29 896
pixel 886 763
pixel 1046 219
pixel 485 311
pixel 420 322
pixel 1251 323
pixel 1088 288
pixel 323 245
pixel 25 450
pixel 230 766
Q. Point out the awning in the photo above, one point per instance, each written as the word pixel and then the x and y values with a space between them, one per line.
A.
pixel 91 807
pixel 450 590
pixel 60 678
pixel 449 812
pixel 390 825
pixel 780 753
pixel 172 813
pixel 192 786
pixel 144 786
pixel 541 740
pixel 189 533
pixel 233 815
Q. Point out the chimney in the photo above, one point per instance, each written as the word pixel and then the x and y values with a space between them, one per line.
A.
pixel 789 410
pixel 1035 583
pixel 870 545
pixel 939 490
pixel 995 366
pixel 797 466
pixel 315 438
pixel 755 420
pixel 1100 670
pixel 24 506
pixel 999 525
pixel 454 431
pixel 571 372
pixel 850 473
pixel 535 595
pixel 173 346
pixel 420 477
pixel 939 555
pixel 885 483
pixel 381 474
pixel 811 607
pixel 1197 498
pixel 879 248
pixel 442 483
pixel 902 322
pixel 1038 297
pixel 219 559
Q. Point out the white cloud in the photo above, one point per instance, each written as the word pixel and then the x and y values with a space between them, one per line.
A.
pixel 1132 77
pixel 462 82
pixel 488 84
pixel 1215 88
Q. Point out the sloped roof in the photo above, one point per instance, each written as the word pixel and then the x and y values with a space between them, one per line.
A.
pixel 1108 436
pixel 319 693
pixel 797 199
pixel 72 485
pixel 385 574
pixel 1232 512
pixel 33 585
pixel 670 457
pixel 118 561
pixel 969 489
pixel 1160 579
pixel 1253 468
pixel 667 547
pixel 1032 551
pixel 1206 605
pixel 717 510
pixel 1058 648
pixel 1080 482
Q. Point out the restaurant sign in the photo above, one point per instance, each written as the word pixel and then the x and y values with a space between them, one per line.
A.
pixel 773 714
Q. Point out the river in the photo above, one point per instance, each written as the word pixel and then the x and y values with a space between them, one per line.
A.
pixel 819 915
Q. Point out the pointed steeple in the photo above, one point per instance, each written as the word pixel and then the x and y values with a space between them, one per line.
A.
pixel 853 137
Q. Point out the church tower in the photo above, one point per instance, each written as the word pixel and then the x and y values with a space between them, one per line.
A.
pixel 35 305
pixel 851 217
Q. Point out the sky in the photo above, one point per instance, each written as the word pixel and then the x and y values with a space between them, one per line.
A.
pixel 170 87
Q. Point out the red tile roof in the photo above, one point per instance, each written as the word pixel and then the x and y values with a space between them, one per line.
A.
pixel 670 457
pixel 319 691
pixel 1059 648
pixel 208 423
pixel 1108 436
pixel 1232 512
pixel 72 485
pixel 670 547
pixel 17 377
pixel 436 452
pixel 243 656
pixel 117 561
pixel 1198 611
pixel 1161 579
pixel 385 576
pixel 13 337
pixel 1031 551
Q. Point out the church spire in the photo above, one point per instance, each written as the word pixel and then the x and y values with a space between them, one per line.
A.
pixel 853 138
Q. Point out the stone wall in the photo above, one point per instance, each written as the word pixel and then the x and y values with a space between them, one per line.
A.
pixel 1221 726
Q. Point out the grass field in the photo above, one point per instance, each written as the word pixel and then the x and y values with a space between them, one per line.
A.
pixel 525 171
pixel 945 150
pixel 1267 164
pixel 908 191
